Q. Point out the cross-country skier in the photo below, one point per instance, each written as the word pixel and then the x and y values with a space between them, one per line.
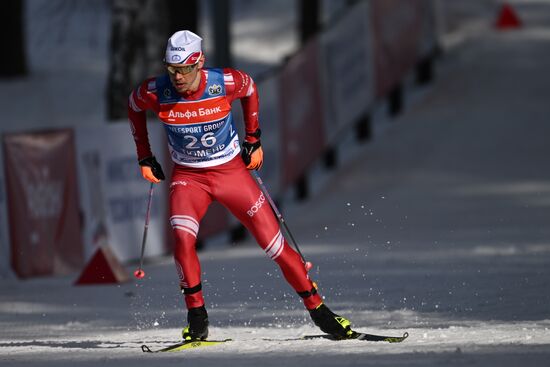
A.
pixel 194 105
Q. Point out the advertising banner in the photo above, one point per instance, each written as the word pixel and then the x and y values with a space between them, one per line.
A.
pixel 114 194
pixel 397 27
pixel 302 131
pixel 348 73
pixel 42 194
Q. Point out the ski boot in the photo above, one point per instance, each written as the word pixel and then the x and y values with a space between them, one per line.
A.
pixel 330 323
pixel 197 327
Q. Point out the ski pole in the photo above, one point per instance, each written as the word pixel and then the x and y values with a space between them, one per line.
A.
pixel 308 265
pixel 139 273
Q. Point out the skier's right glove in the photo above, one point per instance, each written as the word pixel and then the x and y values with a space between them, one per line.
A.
pixel 151 170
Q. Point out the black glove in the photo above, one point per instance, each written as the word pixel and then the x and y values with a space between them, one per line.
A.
pixel 156 168
pixel 252 155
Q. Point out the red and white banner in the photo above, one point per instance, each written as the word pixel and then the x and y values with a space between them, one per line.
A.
pixel 303 136
pixel 42 194
pixel 397 27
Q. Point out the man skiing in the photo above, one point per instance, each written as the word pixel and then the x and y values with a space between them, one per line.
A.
pixel 194 105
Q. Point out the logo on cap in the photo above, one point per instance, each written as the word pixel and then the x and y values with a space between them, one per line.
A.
pixel 184 47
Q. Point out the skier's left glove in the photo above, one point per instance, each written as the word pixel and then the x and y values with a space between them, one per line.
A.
pixel 252 154
pixel 151 170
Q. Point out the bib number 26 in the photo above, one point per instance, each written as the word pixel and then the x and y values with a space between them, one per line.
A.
pixel 208 140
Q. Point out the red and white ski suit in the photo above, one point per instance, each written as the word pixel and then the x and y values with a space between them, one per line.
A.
pixel 205 147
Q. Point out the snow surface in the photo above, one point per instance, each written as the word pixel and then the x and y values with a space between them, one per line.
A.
pixel 438 227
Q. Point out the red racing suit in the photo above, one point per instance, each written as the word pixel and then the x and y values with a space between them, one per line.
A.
pixel 204 146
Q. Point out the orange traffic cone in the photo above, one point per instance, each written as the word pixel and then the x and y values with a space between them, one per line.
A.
pixel 507 18
pixel 103 268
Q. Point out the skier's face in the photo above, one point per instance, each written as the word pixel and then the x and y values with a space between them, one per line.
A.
pixel 185 78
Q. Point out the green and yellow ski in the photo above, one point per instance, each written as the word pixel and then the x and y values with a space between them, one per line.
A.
pixel 363 336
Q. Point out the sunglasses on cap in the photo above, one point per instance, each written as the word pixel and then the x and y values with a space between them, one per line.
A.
pixel 182 70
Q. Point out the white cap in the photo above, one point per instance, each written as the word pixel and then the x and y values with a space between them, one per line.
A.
pixel 184 47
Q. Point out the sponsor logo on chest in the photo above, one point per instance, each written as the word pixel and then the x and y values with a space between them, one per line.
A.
pixel 189 114
pixel 199 111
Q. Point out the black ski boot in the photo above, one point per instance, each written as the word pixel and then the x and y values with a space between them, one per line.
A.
pixel 197 328
pixel 330 323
